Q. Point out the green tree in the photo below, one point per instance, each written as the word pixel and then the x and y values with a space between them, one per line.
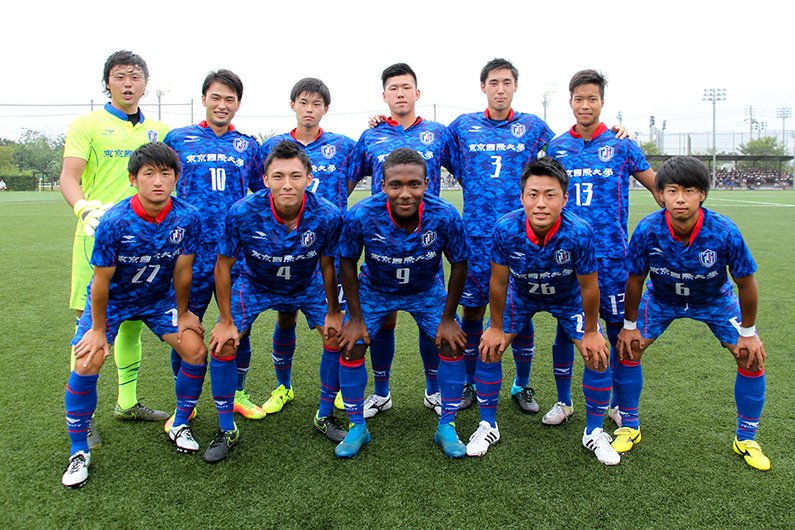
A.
pixel 650 148
pixel 765 146
pixel 7 166
pixel 40 153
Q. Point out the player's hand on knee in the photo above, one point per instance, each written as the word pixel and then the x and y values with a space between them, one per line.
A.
pixel 188 320
pixel 493 344
pixel 449 331
pixel 91 343
pixel 594 348
pixel 352 331
pixel 222 334
pixel 332 326
pixel 752 351
pixel 629 340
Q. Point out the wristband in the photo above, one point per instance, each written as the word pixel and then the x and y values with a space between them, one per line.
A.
pixel 630 325
pixel 748 332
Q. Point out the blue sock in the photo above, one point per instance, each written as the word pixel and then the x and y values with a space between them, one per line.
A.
pixel 188 389
pixel 353 380
pixel 523 346
pixel 749 395
pixel 176 362
pixel 473 330
pixel 488 379
pixel 596 387
pixel 283 351
pixel 242 361
pixel 629 384
pixel 612 331
pixel 430 363
pixel 81 402
pixel 329 381
pixel 452 375
pixel 382 351
pixel 562 363
pixel 222 382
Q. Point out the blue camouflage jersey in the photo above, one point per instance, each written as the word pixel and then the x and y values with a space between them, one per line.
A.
pixel 489 160
pixel 599 172
pixel 692 274
pixel 217 171
pixel 397 263
pixel 544 272
pixel 278 261
pixel 328 153
pixel 430 139
pixel 144 249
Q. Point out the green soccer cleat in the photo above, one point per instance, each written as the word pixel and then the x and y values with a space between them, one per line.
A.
pixel 221 445
pixel 170 421
pixel 139 412
pixel 448 439
pixel 752 454
pixel 246 408
pixel 358 436
pixel 278 399
pixel 626 439
pixel 330 426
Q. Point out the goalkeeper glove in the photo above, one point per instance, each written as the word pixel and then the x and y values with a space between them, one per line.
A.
pixel 90 213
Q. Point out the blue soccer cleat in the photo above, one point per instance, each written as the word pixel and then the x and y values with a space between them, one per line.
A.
pixel 357 437
pixel 448 439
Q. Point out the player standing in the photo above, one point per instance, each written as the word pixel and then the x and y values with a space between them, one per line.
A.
pixel 219 165
pixel 685 249
pixel 284 232
pixel 543 260
pixel 94 177
pixel 403 231
pixel 142 244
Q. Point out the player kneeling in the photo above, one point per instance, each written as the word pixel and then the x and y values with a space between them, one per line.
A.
pixel 141 244
pixel 686 249
pixel 543 260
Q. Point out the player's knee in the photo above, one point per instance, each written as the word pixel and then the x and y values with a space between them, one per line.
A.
pixel 741 356
pixel 228 351
pixel 473 313
pixel 356 353
pixel 591 364
pixel 93 366
pixel 450 351
pixel 391 320
pixel 286 319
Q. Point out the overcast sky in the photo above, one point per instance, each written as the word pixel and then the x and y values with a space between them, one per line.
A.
pixel 658 56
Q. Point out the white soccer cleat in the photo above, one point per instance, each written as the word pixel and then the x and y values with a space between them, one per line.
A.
pixel 434 402
pixel 375 404
pixel 183 439
pixel 615 415
pixel 559 413
pixel 599 442
pixel 76 472
pixel 482 439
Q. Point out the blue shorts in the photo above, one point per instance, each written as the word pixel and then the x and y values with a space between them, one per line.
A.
pixel 721 315
pixel 518 312
pixel 249 300
pixel 476 290
pixel 612 284
pixel 161 318
pixel 202 286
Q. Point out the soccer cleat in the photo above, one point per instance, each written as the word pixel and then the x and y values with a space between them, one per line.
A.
pixel 470 396
pixel 559 413
pixel 626 439
pixel 183 439
pixel 448 439
pixel 246 408
pixel 94 439
pixel 357 437
pixel 222 443
pixel 170 421
pixel 330 426
pixel 752 454
pixel 482 439
pixel 615 415
pixel 338 402
pixel 434 402
pixel 599 442
pixel 76 472
pixel 375 404
pixel 525 398
pixel 139 412
pixel 278 399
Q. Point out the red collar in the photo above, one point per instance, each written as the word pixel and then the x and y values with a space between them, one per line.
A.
pixel 203 125
pixel 292 133
pixel 509 118
pixel 532 235
pixel 693 234
pixel 135 203
pixel 599 130
pixel 279 219
pixel 389 211
pixel 393 123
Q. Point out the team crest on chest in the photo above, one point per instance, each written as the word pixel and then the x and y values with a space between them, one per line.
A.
pixel 152 135
pixel 328 151
pixel 562 256
pixel 307 238
pixel 240 144
pixel 426 138
pixel 605 153
pixel 708 258
pixel 518 130
pixel 176 235
pixel 428 238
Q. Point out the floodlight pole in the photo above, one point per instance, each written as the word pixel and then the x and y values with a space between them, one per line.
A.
pixel 714 95
pixel 784 113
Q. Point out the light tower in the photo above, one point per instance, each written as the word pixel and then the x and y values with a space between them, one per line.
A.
pixel 784 113
pixel 714 95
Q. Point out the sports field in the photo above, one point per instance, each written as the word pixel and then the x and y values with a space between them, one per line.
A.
pixel 284 475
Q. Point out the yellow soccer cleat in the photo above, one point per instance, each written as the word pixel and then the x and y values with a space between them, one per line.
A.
pixel 244 406
pixel 338 403
pixel 170 421
pixel 752 454
pixel 278 399
pixel 626 439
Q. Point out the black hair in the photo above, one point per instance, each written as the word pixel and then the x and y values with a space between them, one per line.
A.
pixel 225 77
pixel 311 85
pixel 286 150
pixel 546 167
pixel 498 64
pixel 404 156
pixel 396 70
pixel 155 154
pixel 122 58
pixel 588 77
pixel 686 171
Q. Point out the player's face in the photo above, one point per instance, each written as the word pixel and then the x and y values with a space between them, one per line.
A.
pixel 682 203
pixel 405 186
pixel 221 103
pixel 309 109
pixel 543 199
pixel 154 184
pixel 499 88
pixel 401 94
pixel 126 84
pixel 287 180
pixel 587 102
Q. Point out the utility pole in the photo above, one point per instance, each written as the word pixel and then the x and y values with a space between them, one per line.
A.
pixel 620 117
pixel 546 97
pixel 713 95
